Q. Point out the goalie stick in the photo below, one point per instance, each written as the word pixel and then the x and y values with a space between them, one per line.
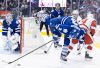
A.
pixel 26 54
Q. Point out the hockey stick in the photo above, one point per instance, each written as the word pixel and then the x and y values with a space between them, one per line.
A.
pixel 26 54
pixel 79 52
pixel 48 48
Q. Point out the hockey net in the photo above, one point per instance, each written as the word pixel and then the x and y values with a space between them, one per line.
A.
pixel 30 36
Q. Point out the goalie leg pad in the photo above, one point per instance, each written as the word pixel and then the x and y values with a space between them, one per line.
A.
pixel 18 48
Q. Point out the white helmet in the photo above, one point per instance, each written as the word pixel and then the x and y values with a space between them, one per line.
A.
pixel 9 17
pixel 75 12
pixel 90 16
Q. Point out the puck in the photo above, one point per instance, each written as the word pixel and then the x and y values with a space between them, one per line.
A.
pixel 45 51
pixel 18 64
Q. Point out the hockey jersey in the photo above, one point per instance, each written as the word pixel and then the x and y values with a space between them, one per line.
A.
pixel 79 19
pixel 66 25
pixel 89 24
pixel 15 27
pixel 56 14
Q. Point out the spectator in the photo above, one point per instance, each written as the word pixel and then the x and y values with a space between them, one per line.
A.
pixel 1 17
pixel 32 5
pixel 83 6
pixel 15 3
pixel 74 6
pixel 24 4
pixel 20 15
pixel 24 8
pixel 3 7
pixel 98 17
pixel 11 4
pixel 68 3
pixel 67 12
pixel 33 13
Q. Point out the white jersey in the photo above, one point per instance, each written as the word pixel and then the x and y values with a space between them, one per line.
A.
pixel 79 19
pixel 89 24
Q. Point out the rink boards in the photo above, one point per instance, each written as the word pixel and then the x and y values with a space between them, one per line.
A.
pixel 43 32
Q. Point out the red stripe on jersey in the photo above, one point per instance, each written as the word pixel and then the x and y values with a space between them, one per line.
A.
pixel 83 27
pixel 93 23
pixel 92 32
pixel 84 21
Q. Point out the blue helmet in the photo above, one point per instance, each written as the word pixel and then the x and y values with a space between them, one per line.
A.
pixel 57 4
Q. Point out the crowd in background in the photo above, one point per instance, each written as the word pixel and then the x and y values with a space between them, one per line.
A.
pixel 83 6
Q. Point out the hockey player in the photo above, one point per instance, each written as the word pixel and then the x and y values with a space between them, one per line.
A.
pixel 89 24
pixel 70 28
pixel 10 33
pixel 55 14
pixel 78 18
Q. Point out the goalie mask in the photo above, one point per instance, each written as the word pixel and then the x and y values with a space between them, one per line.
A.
pixel 9 18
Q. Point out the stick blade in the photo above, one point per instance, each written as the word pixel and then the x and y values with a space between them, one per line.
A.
pixel 6 62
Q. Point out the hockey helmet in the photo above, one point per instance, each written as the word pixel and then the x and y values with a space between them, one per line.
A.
pixel 9 17
pixel 57 4
pixel 90 16
pixel 75 12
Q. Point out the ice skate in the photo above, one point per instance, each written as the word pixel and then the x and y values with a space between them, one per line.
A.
pixel 57 45
pixel 87 57
pixel 63 58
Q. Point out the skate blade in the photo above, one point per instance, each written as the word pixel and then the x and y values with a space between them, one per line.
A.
pixel 87 59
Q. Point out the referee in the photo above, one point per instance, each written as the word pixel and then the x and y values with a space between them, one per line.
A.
pixel 42 21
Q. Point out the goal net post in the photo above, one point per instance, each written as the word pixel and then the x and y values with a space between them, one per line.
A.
pixel 30 35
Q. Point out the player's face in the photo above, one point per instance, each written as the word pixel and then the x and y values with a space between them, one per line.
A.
pixel 75 16
pixel 44 11
pixel 57 7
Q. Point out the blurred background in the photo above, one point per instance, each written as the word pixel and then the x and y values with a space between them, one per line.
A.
pixel 27 8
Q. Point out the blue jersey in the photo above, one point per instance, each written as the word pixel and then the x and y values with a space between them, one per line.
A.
pixel 56 14
pixel 65 20
pixel 66 25
pixel 15 27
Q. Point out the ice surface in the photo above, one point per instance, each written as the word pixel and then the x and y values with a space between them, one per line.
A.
pixel 51 59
